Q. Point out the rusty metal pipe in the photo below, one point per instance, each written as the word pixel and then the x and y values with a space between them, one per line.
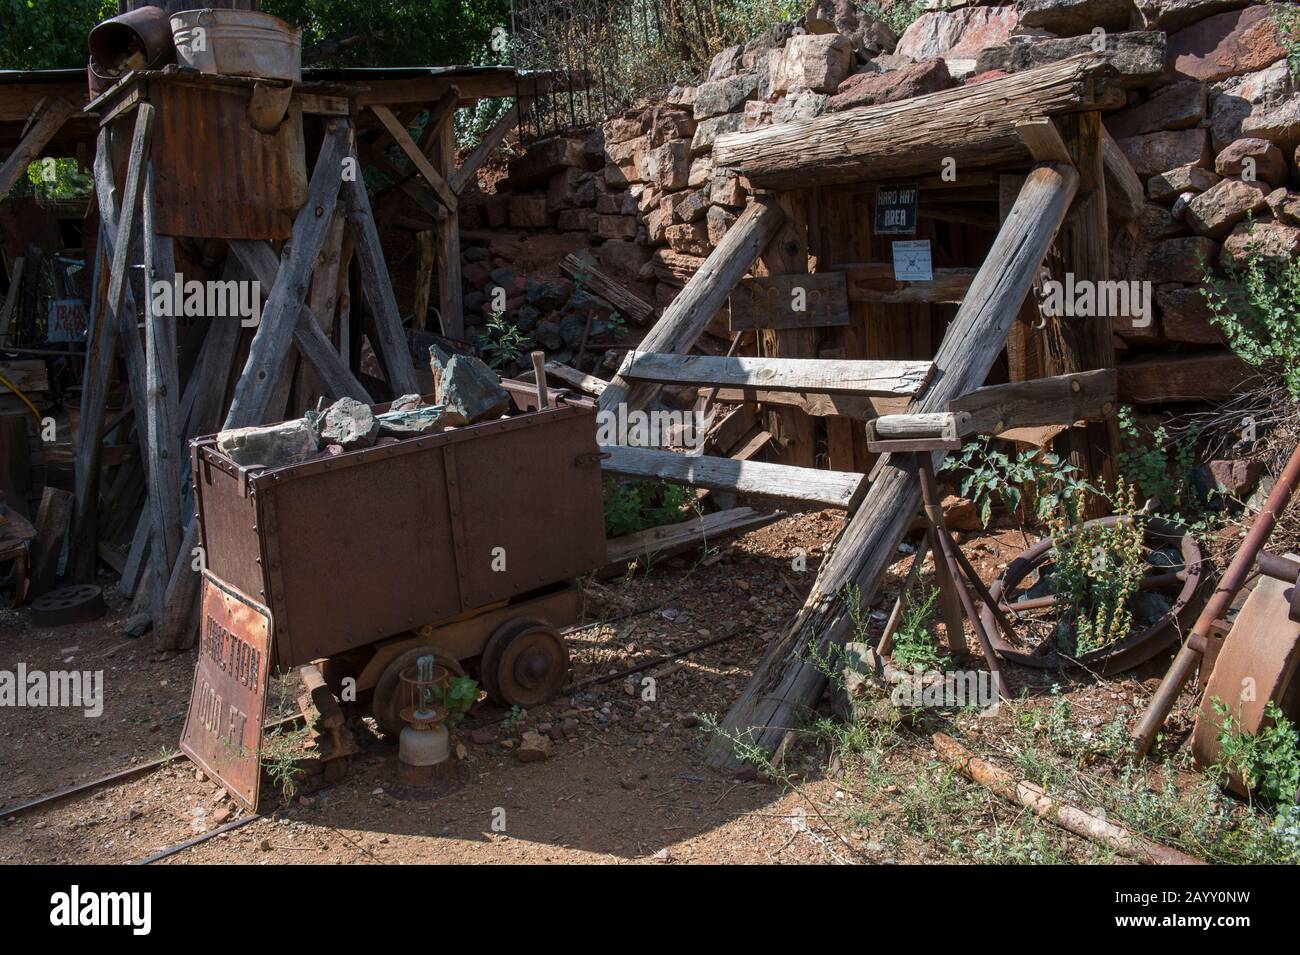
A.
pixel 1180 671
pixel 1279 568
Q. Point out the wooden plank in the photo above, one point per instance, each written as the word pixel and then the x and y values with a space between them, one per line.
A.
pixel 842 377
pixel 50 115
pixel 1208 376
pixel 1125 195
pixel 818 405
pixel 379 291
pixel 488 145
pixel 53 518
pixel 685 319
pixel 630 305
pixel 1043 140
pixel 163 456
pixel 28 375
pixel 787 681
pixel 100 358
pixel 421 162
pixel 322 302
pixel 1059 400
pixel 424 265
pixel 793 435
pixel 874 283
pixel 571 376
pixel 11 297
pixel 810 485
pixel 973 125
pixel 660 543
pixel 770 302
pixel 451 304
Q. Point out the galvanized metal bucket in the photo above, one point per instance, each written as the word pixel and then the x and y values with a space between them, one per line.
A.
pixel 238 43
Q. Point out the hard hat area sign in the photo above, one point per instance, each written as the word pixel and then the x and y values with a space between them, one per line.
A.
pixel 896 209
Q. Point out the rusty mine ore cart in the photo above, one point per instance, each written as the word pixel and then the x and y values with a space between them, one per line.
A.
pixel 463 544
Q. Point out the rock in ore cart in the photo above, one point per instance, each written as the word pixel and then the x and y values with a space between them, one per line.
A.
pixel 461 542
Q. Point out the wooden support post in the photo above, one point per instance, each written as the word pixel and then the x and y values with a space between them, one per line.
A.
pixel 266 356
pixel 451 303
pixel 424 267
pixel 50 115
pixel 685 319
pixel 794 434
pixel 787 683
pixel 163 456
pixel 1085 343
pixel 321 301
pixel 391 343
pixel 99 362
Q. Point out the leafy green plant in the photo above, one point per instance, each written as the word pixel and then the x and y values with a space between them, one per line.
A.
pixel 282 752
pixel 501 343
pixel 994 475
pixel 632 506
pixel 914 641
pixel 1257 305
pixel 1268 761
pixel 1095 571
pixel 1159 466
pixel 1287 18
pixel 460 694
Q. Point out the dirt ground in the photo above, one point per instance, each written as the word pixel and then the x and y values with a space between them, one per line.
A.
pixel 626 781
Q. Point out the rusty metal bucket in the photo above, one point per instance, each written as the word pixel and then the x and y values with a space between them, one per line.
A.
pixel 238 43
pixel 143 31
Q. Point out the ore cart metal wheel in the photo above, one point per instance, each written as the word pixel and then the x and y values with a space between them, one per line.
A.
pixel 1256 665
pixel 524 664
pixel 386 704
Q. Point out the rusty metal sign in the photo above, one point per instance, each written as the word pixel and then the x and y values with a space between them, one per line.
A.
pixel 223 729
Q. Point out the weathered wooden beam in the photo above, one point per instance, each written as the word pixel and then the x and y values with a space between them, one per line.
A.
pixel 825 376
pixel 379 291
pixel 685 319
pixel 660 543
pixel 874 283
pixel 787 682
pixel 108 322
pixel 1207 376
pixel 50 115
pixel 1061 399
pixel 630 305
pixel 488 145
pixel 589 384
pixel 1043 140
pixel 163 456
pixel 451 304
pixel 417 159
pixel 1125 194
pixel 810 485
pixel 818 405
pixel 974 125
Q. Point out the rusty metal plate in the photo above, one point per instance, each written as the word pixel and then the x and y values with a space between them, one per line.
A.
pixel 223 728
pixel 1256 665
pixel 214 175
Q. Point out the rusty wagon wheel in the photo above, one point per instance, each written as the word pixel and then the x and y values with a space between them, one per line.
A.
pixel 1256 665
pixel 386 704
pixel 524 663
